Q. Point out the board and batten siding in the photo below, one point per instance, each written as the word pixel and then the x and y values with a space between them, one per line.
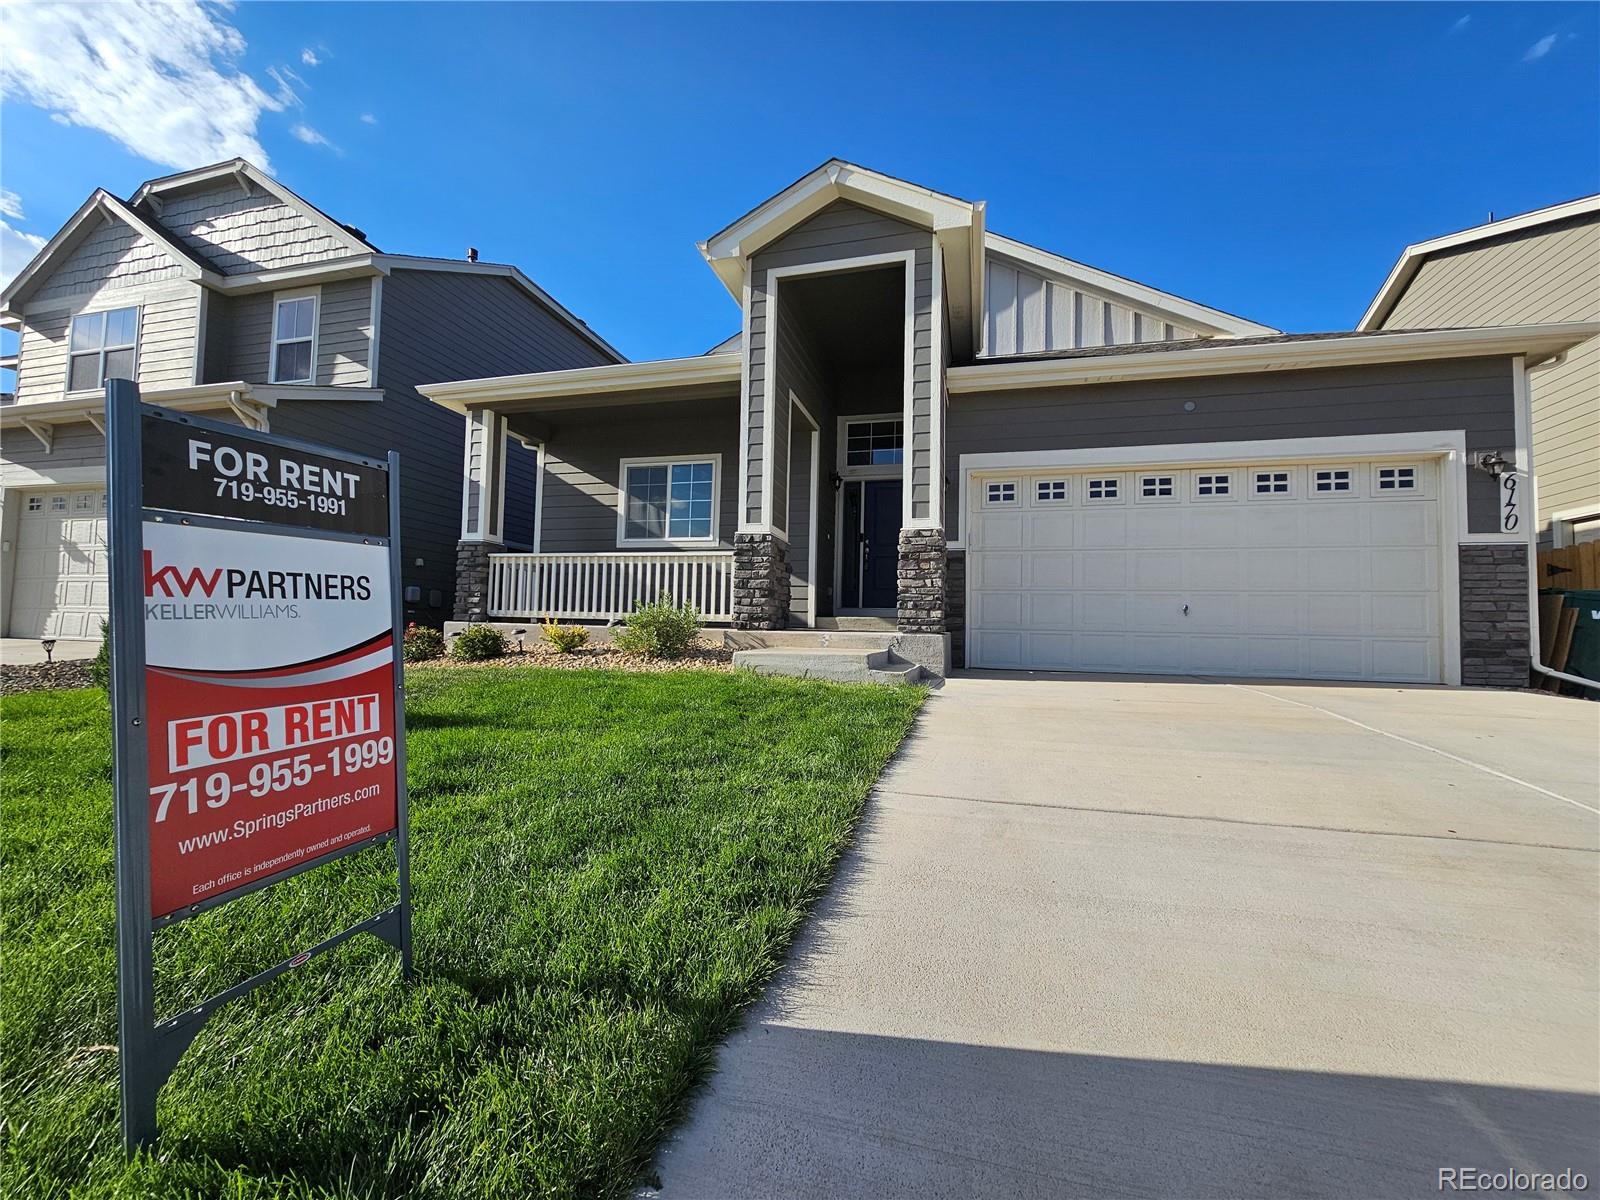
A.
pixel 239 335
pixel 1473 395
pixel 237 232
pixel 842 230
pixel 582 472
pixel 169 323
pixel 1545 274
pixel 1027 311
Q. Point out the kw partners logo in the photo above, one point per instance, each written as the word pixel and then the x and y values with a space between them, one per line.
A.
pixel 171 581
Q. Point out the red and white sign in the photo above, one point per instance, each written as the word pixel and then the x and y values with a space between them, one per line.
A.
pixel 270 691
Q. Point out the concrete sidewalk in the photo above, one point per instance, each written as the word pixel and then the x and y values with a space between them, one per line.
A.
pixel 27 651
pixel 1115 936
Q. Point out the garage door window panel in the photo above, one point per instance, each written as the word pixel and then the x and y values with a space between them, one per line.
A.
pixel 1213 485
pixel 1104 489
pixel 1332 482
pixel 1052 491
pixel 1274 483
pixel 1397 479
pixel 1163 488
pixel 1001 493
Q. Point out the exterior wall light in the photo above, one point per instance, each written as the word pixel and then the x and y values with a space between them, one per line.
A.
pixel 1494 463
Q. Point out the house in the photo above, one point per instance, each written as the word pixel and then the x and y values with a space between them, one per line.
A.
pixel 221 291
pixel 936 442
pixel 1534 268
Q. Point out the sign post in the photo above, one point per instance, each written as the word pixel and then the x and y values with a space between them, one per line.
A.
pixel 257 715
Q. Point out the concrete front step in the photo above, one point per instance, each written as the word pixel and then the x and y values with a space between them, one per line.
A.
pixel 809 639
pixel 860 665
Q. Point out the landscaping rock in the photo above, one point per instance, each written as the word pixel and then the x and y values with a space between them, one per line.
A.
pixel 37 677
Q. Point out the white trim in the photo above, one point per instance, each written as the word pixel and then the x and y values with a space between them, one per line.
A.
pixel 501 442
pixel 98 390
pixel 15 476
pixel 197 376
pixel 1410 260
pixel 745 525
pixel 538 498
pixel 1126 291
pixel 669 460
pixel 505 391
pixel 936 393
pixel 1562 520
pixel 314 294
pixel 376 320
pixel 841 449
pixel 1222 357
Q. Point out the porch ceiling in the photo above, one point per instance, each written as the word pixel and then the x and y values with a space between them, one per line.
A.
pixel 545 421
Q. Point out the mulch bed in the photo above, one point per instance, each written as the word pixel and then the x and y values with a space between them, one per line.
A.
pixel 707 656
pixel 36 677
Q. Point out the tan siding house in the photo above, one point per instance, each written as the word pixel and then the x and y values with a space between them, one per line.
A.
pixel 1534 269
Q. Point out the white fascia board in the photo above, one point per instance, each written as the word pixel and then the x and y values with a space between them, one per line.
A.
pixel 193 398
pixel 404 262
pixel 69 235
pixel 1410 260
pixel 699 371
pixel 1537 342
pixel 349 267
pixel 1213 320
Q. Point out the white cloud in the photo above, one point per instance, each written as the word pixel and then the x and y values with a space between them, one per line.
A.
pixel 10 204
pixel 1540 48
pixel 368 119
pixel 309 57
pixel 286 96
pixel 16 250
pixel 159 77
pixel 310 136
pixel 1461 23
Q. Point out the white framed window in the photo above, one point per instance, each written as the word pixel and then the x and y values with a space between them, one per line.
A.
pixel 1333 481
pixel 101 346
pixel 1277 481
pixel 35 503
pixel 875 443
pixel 1103 489
pixel 83 502
pixel 1052 491
pixel 1397 479
pixel 669 501
pixel 1002 491
pixel 1213 485
pixel 1157 487
pixel 58 504
pixel 294 338
pixel 105 501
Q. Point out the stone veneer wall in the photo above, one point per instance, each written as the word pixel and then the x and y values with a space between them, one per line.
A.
pixel 920 581
pixel 1494 616
pixel 955 605
pixel 472 579
pixel 760 581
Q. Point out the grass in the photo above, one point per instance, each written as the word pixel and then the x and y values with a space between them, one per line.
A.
pixel 606 868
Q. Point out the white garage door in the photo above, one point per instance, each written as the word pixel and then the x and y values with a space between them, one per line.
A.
pixel 1320 570
pixel 61 564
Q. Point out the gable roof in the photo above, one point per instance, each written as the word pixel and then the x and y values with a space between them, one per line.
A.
pixel 1412 258
pixel 80 225
pixel 1180 310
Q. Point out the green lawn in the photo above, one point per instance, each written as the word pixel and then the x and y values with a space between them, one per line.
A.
pixel 606 868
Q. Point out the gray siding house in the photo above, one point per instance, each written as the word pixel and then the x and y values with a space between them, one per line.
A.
pixel 220 291
pixel 1530 269
pixel 937 441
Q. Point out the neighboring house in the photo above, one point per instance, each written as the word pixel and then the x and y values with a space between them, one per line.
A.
pixel 1526 270
pixel 981 451
pixel 222 292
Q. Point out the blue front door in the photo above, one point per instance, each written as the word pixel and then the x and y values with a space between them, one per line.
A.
pixel 872 543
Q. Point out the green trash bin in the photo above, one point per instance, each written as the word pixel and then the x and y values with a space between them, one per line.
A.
pixel 1584 657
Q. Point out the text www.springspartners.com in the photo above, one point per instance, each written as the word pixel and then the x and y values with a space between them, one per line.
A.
pixel 248 827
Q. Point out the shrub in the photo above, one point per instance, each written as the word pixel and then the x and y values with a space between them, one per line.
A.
pixel 100 664
pixel 660 630
pixel 477 642
pixel 565 638
pixel 422 642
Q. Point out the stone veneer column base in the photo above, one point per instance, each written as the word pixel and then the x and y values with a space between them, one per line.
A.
pixel 921 578
pixel 760 581
pixel 472 579
pixel 1494 616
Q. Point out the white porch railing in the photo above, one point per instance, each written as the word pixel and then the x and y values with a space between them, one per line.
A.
pixel 606 587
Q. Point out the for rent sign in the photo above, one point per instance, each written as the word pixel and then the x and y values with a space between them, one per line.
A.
pixel 256 681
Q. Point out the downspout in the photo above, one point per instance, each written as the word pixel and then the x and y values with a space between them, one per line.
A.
pixel 1524 430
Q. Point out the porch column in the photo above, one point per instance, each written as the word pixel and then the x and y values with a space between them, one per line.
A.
pixel 922 581
pixel 483 511
pixel 760 581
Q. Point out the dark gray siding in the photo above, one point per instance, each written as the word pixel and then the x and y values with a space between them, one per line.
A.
pixel 1473 395
pixel 842 230
pixel 582 466
pixel 239 335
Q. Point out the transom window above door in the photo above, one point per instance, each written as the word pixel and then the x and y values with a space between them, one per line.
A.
pixel 103 345
pixel 669 502
pixel 294 326
pixel 874 443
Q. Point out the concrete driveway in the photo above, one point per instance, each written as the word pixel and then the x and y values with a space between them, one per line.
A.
pixel 1151 937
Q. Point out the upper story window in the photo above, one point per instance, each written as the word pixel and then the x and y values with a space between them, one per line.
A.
pixel 102 346
pixel 294 336
pixel 874 443
pixel 669 501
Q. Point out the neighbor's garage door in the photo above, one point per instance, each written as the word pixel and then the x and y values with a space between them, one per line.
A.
pixel 61 565
pixel 1322 570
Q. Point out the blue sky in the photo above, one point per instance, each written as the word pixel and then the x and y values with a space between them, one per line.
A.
pixel 1270 160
